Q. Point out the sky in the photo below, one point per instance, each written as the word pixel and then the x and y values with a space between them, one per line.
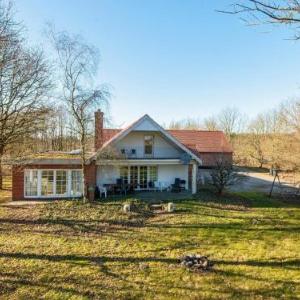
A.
pixel 175 59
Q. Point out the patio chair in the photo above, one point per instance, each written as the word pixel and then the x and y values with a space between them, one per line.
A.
pixel 179 185
pixel 103 191
pixel 182 184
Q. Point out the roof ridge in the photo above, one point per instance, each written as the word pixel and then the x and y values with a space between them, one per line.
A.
pixel 195 130
pixel 186 130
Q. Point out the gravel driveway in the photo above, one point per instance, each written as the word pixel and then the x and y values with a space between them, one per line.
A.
pixel 261 182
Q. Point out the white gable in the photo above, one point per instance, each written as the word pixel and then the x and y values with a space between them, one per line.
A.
pixel 146 125
pixel 162 147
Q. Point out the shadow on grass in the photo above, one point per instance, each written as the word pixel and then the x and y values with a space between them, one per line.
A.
pixel 228 226
pixel 89 289
pixel 91 259
pixel 295 263
pixel 291 263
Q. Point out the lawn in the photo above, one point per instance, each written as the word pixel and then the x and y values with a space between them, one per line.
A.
pixel 71 250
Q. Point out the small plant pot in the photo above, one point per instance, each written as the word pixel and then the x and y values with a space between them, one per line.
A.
pixel 170 207
pixel 126 208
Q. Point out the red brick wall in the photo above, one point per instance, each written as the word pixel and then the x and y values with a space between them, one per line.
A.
pixel 90 175
pixel 209 159
pixel 18 176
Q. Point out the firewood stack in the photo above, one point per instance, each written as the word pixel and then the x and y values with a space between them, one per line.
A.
pixel 196 262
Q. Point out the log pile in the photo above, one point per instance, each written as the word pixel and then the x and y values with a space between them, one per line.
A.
pixel 196 262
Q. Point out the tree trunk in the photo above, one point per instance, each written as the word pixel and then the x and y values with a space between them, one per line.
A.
pixel 1 175
pixel 84 183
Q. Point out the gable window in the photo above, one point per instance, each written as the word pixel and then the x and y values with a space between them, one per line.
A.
pixel 31 183
pixel 148 145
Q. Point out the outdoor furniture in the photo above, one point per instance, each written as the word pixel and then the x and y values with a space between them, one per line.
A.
pixel 133 153
pixel 161 186
pixel 103 191
pixel 179 185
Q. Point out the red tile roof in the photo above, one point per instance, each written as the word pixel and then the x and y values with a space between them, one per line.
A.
pixel 203 141
pixel 196 140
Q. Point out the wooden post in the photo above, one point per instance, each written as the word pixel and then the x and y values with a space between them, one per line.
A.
pixel 194 178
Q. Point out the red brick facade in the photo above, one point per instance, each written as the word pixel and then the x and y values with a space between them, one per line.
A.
pixel 18 176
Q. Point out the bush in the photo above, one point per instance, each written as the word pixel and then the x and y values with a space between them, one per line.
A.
pixel 223 175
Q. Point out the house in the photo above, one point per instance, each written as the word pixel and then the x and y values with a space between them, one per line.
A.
pixel 141 154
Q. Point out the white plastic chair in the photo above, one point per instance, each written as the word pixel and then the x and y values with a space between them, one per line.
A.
pixel 103 190
pixel 157 186
pixel 165 186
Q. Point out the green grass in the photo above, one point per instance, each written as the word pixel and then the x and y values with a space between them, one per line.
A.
pixel 70 250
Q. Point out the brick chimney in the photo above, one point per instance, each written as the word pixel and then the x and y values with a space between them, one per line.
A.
pixel 98 129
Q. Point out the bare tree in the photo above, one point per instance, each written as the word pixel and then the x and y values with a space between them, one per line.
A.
pixel 223 175
pixel 78 64
pixel 257 139
pixel 290 113
pixel 24 83
pixel 230 120
pixel 211 123
pixel 188 123
pixel 281 12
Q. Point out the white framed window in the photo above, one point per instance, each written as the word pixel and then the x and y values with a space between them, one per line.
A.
pixel 61 182
pixel 44 183
pixel 148 145
pixel 47 183
pixel 31 183
pixel 153 173
pixel 76 183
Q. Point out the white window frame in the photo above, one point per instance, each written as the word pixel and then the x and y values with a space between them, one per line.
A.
pixel 55 195
pixel 139 174
pixel 30 173
pixel 40 183
pixel 70 184
pixel 152 153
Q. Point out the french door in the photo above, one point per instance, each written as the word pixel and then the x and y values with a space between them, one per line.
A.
pixel 143 180
pixel 140 176
pixel 134 176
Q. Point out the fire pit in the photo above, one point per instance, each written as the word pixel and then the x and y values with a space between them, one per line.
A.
pixel 197 262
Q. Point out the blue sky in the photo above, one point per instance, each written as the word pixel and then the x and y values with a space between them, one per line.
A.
pixel 175 59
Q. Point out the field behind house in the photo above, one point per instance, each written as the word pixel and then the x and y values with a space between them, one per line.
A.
pixel 71 250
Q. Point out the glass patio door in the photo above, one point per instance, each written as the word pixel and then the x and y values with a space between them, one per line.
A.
pixel 143 178
pixel 134 175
